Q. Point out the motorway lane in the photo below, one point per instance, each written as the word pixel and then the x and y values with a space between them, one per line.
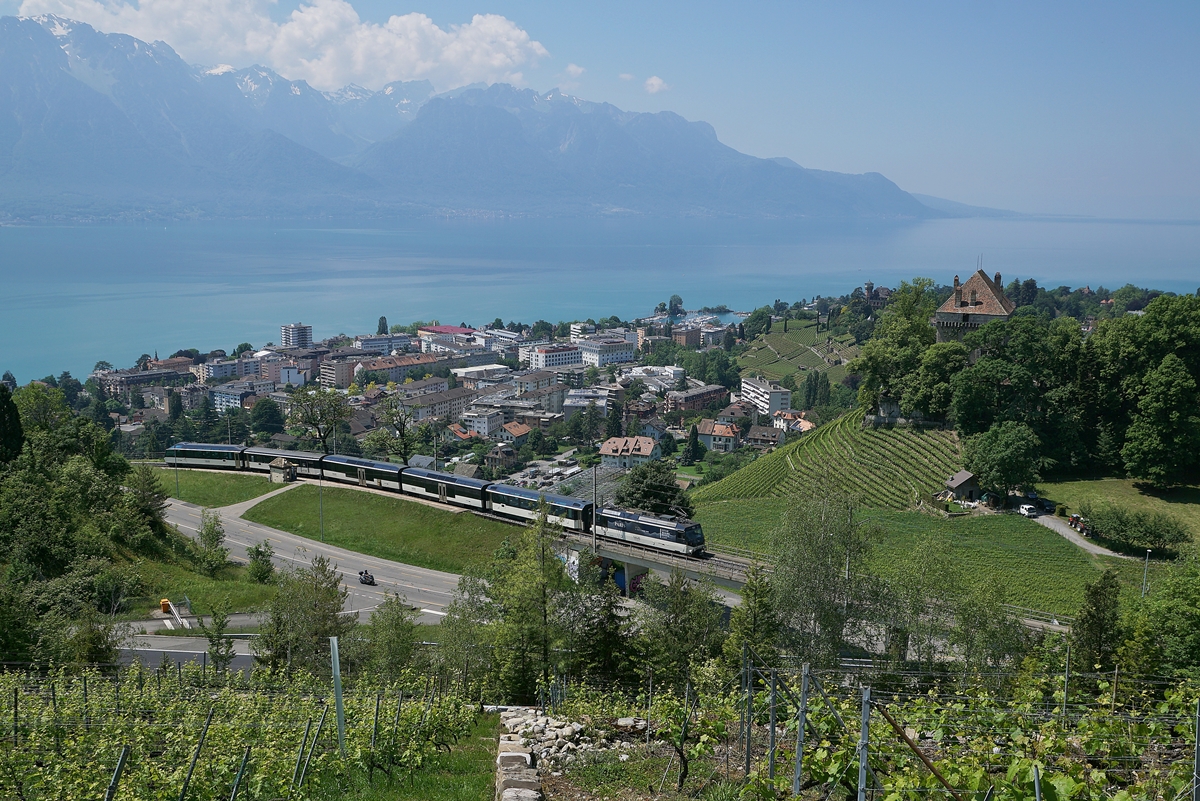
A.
pixel 428 590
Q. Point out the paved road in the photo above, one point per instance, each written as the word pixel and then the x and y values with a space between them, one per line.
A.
pixel 428 590
pixel 1059 526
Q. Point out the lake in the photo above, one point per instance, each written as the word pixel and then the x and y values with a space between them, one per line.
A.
pixel 76 295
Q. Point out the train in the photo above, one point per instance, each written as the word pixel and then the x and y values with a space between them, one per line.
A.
pixel 676 536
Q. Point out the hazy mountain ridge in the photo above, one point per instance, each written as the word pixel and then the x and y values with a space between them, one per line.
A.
pixel 95 124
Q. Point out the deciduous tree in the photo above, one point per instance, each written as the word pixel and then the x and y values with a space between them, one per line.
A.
pixel 1003 458
pixel 1162 444
pixel 318 411
pixel 12 434
pixel 651 487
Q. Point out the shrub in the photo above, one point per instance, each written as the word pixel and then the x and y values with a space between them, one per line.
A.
pixel 1135 531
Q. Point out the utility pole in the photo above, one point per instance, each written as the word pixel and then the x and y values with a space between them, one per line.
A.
pixel 1145 572
pixel 864 744
pixel 321 500
pixel 596 506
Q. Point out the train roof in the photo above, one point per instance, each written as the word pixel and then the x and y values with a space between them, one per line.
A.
pixel 356 462
pixel 206 446
pixel 521 492
pixel 449 478
pixel 625 514
pixel 295 455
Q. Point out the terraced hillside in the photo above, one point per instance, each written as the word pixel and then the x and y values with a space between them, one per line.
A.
pixel 890 468
pixel 778 354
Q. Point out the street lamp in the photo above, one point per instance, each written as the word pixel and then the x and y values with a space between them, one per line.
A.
pixel 1145 571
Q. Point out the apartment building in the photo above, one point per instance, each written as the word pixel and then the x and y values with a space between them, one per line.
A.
pixel 696 399
pixel 766 396
pixel 548 356
pixel 295 335
pixel 603 351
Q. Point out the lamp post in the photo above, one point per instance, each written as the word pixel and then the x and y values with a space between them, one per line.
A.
pixel 1145 572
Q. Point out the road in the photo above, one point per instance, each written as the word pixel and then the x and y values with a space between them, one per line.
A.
pixel 428 590
pixel 1060 527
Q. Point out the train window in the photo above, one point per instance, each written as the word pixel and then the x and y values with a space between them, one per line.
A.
pixel 694 535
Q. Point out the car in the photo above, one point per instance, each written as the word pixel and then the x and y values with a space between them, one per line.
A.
pixel 1028 510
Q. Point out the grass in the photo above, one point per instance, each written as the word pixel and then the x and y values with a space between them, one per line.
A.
pixel 390 528
pixel 466 773
pixel 214 489
pixel 174 581
pixel 1182 503
pixel 1040 569
pixel 890 468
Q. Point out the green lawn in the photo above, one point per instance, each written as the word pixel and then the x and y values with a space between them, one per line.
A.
pixel 466 773
pixel 174 581
pixel 1182 502
pixel 390 528
pixel 214 489
pixel 1040 569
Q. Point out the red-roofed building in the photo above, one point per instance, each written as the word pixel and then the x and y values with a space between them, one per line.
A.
pixel 974 304
pixel 515 433
pixel 716 436
pixel 629 451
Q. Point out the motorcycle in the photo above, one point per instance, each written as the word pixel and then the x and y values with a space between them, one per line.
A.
pixel 366 578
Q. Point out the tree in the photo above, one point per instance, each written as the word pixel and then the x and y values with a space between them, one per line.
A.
pixel 41 408
pixel 392 634
pixel 591 375
pixel 1004 457
pixel 302 616
pixel 595 630
pixel 729 340
pixel 259 567
pixel 1095 632
pixel 693 451
pixel 928 391
pixel 146 493
pixel 758 323
pixel 243 347
pixel 524 580
pixel 651 488
pixel 821 575
pixel 266 417
pixel 680 627
pixel 12 434
pixel 211 551
pixel 1162 442
pixel 318 411
pixel 675 306
pixel 668 444
pixel 612 424
pixel 102 366
pixel 220 647
pixel 174 407
pixel 754 622
pixel 396 424
pixel 382 327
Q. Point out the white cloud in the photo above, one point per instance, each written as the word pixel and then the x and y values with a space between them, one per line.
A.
pixel 625 76
pixel 323 41
pixel 574 70
pixel 655 84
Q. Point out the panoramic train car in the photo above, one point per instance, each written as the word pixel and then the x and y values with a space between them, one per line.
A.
pixel 570 513
pixel 205 455
pixel 363 472
pixel 680 536
pixel 259 459
pixel 444 487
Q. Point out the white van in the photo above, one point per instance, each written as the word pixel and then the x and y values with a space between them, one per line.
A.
pixel 1028 510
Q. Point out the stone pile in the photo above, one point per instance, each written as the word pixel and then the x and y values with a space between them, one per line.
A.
pixel 554 744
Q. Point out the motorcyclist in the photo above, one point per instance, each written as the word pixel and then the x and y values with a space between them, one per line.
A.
pixel 366 577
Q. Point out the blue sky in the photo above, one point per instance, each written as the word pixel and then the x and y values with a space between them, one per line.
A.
pixel 1064 108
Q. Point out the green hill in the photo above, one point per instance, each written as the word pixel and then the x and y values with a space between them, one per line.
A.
pixel 890 468
pixel 777 354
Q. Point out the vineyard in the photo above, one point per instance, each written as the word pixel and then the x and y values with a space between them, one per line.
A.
pixel 777 354
pixel 890 468
pixel 1045 735
pixel 181 732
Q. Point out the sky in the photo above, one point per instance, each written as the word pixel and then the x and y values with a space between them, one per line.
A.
pixel 1056 108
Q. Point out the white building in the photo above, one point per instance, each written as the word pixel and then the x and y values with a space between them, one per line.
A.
pixel 581 330
pixel 547 356
pixel 295 335
pixel 765 396
pixel 603 351
pixel 226 368
pixel 629 451
pixel 484 422
pixel 383 343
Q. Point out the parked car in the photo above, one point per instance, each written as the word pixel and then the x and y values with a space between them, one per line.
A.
pixel 1028 510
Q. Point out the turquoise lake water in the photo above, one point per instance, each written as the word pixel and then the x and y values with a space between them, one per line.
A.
pixel 74 295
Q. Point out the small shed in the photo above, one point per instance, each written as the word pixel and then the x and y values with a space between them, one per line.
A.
pixel 282 471
pixel 964 486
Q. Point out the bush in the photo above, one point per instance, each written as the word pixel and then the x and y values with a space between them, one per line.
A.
pixel 1135 531
pixel 1060 510
pixel 260 568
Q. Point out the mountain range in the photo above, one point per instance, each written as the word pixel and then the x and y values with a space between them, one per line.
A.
pixel 106 126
